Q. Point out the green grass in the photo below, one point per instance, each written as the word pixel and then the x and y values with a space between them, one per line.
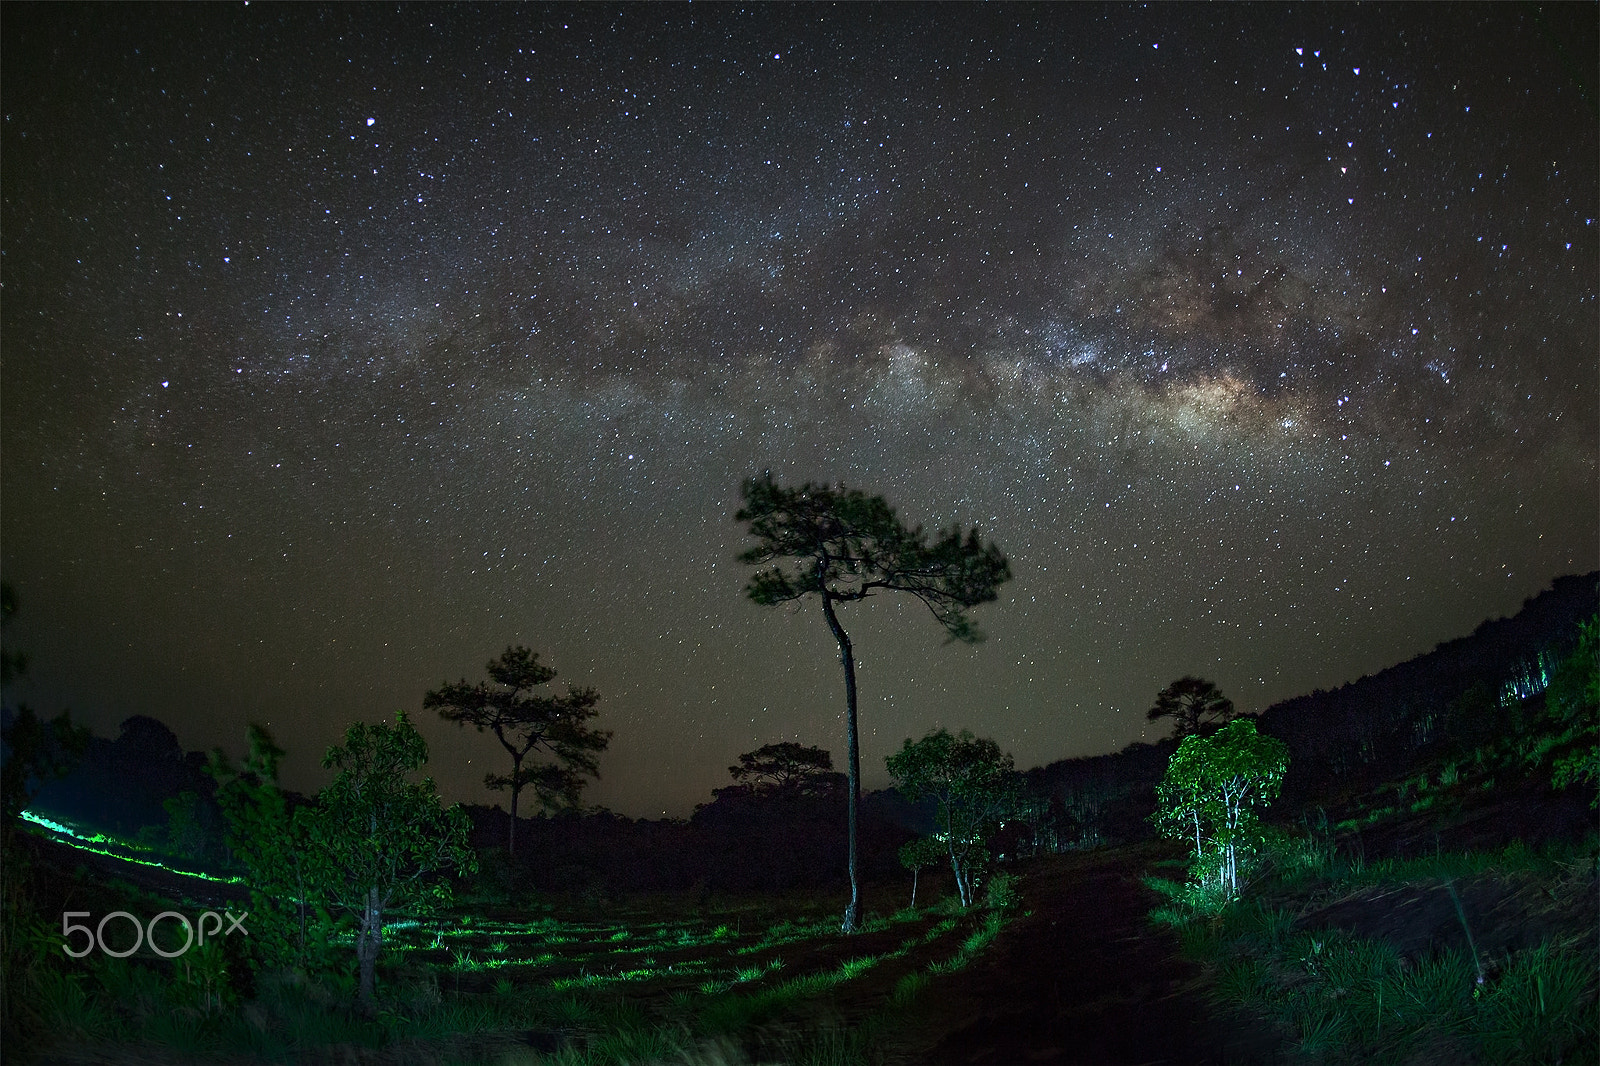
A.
pixel 979 939
pixel 1341 997
pixel 1356 999
pixel 744 984
pixel 700 991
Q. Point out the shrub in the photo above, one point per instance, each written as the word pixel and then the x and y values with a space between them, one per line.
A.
pixel 1209 794
pixel 1002 891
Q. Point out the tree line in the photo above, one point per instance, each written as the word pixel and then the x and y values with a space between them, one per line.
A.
pixel 377 836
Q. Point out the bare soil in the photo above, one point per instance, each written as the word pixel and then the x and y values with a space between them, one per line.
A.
pixel 1084 978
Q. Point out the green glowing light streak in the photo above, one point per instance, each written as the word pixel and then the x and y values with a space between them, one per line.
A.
pixel 91 843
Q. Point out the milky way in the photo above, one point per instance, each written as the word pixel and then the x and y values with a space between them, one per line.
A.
pixel 344 347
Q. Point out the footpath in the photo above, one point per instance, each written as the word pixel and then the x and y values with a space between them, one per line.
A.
pixel 1086 978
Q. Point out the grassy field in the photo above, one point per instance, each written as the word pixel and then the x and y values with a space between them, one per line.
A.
pixel 668 980
pixel 1463 943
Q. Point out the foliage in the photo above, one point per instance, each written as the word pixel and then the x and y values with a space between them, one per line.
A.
pixel 1212 785
pixel 844 546
pixel 1450 699
pixel 973 783
pixel 1573 702
pixel 571 988
pixel 1032 822
pixel 784 769
pixel 1360 981
pixel 36 751
pixel 915 854
pixel 1195 706
pixel 921 852
pixel 190 832
pixel 271 841
pixel 378 838
pixel 1350 998
pixel 1001 891
pixel 32 751
pixel 525 721
pixel 28 950
pixel 976 941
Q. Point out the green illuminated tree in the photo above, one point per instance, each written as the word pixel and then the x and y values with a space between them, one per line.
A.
pixel 843 546
pixel 525 721
pixel 1195 706
pixel 379 838
pixel 270 838
pixel 1210 794
pixel 972 781
pixel 915 854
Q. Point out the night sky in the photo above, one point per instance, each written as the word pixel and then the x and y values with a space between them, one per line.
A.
pixel 343 347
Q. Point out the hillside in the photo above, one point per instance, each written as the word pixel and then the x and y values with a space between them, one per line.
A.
pixel 1347 740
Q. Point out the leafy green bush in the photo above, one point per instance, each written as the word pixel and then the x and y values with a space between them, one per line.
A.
pixel 1001 893
pixel 1208 798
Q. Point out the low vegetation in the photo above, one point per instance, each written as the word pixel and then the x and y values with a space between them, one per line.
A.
pixel 1479 953
pixel 1434 901
pixel 454 987
pixel 1457 957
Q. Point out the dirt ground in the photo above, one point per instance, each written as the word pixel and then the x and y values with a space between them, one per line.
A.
pixel 1084 979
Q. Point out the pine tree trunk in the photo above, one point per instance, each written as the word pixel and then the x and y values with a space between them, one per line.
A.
pixel 915 870
pixel 516 787
pixel 852 914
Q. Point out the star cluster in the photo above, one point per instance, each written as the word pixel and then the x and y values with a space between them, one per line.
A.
pixel 344 347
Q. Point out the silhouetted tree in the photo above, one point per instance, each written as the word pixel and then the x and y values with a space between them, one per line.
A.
pixel 783 769
pixel 192 830
pixel 13 664
pixel 842 546
pixel 974 785
pixel 1031 821
pixel 525 721
pixel 376 836
pixel 33 751
pixel 1195 706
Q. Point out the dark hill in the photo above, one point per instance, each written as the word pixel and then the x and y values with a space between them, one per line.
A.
pixel 1370 729
pixel 1463 691
pixel 119 785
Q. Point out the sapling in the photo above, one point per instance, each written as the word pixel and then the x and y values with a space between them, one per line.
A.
pixel 1209 796
pixel 915 854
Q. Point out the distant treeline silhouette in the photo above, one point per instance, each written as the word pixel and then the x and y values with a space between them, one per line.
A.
pixel 1362 733
pixel 1373 728
pixel 735 843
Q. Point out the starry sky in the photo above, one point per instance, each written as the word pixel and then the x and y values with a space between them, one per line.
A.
pixel 344 346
